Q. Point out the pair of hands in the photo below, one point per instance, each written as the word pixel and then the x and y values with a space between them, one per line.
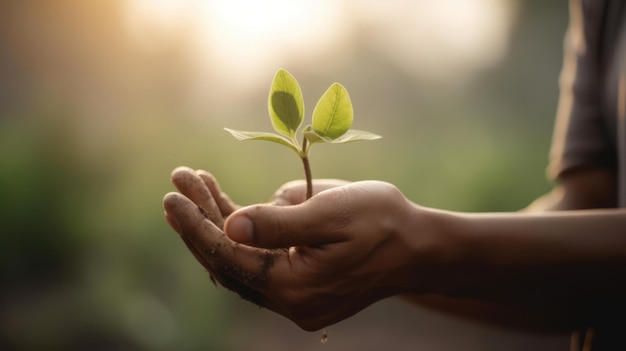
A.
pixel 315 262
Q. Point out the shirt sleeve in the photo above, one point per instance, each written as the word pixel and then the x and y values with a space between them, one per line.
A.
pixel 580 135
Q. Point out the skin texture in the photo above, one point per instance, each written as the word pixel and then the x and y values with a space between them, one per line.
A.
pixel 320 261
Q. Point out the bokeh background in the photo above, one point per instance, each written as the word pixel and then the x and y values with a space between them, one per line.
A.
pixel 100 100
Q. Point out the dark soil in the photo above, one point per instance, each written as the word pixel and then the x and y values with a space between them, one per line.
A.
pixel 234 278
pixel 240 281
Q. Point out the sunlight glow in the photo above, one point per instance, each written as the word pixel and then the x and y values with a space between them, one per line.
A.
pixel 251 35
pixel 443 38
pixel 149 20
pixel 440 39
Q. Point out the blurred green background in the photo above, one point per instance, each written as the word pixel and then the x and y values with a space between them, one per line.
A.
pixel 100 100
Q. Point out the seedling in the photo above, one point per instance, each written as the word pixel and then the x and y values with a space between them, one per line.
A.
pixel 331 120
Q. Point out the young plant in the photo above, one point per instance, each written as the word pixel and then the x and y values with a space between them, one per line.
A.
pixel 331 120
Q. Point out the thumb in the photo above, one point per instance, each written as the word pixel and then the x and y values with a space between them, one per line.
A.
pixel 269 226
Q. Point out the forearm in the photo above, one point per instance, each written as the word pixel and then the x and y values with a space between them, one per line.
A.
pixel 582 189
pixel 571 259
pixel 502 315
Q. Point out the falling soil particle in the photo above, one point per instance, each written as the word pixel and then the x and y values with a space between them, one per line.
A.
pixel 324 336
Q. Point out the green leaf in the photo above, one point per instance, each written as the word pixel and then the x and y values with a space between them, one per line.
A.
pixel 244 135
pixel 355 135
pixel 286 104
pixel 333 114
pixel 311 136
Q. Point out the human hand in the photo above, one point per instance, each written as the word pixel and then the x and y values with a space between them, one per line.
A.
pixel 294 192
pixel 317 262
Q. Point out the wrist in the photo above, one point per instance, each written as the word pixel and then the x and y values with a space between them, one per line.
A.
pixel 435 239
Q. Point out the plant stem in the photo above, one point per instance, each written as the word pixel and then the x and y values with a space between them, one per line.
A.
pixel 307 167
pixel 309 179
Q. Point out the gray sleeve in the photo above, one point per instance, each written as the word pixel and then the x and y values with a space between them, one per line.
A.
pixel 580 134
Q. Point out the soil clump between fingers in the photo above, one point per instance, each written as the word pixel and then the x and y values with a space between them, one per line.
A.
pixel 238 280
pixel 234 278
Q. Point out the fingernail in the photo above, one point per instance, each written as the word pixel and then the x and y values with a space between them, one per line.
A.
pixel 279 201
pixel 173 222
pixel 240 229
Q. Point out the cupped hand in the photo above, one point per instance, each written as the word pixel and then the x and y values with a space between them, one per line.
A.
pixel 316 262
pixel 294 192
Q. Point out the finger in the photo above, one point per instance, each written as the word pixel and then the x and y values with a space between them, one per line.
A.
pixel 193 187
pixel 311 223
pixel 294 192
pixel 291 193
pixel 226 205
pixel 238 266
pixel 172 222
